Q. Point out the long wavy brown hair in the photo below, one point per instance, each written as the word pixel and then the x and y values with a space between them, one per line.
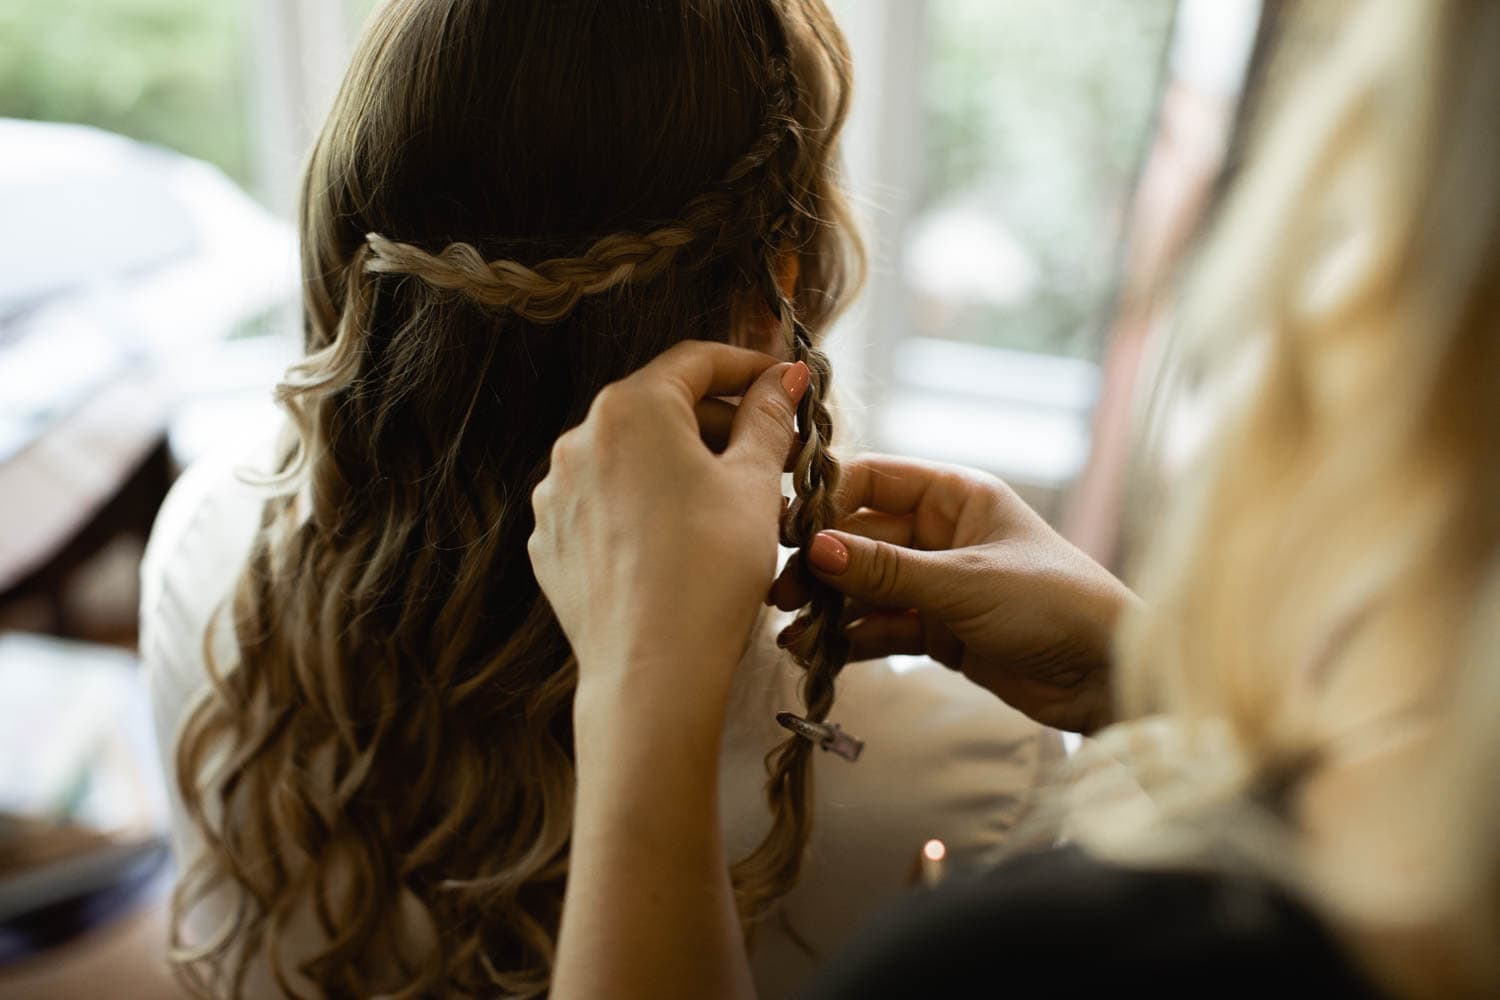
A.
pixel 512 204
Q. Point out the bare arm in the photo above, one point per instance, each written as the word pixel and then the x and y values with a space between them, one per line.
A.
pixel 654 552
pixel 649 909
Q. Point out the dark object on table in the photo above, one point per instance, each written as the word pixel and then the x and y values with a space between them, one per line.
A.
pixel 59 881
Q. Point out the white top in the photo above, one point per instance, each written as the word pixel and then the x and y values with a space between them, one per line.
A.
pixel 943 758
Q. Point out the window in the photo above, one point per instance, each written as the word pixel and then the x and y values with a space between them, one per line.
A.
pixel 997 142
pixel 170 72
pixel 1036 114
pixel 997 146
pixel 242 84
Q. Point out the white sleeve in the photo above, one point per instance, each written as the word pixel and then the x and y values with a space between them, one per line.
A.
pixel 198 545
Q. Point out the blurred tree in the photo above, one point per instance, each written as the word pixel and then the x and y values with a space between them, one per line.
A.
pixel 164 71
pixel 1037 114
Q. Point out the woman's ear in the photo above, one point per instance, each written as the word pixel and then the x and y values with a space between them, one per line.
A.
pixel 758 328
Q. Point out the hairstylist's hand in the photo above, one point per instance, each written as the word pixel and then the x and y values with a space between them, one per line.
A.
pixel 949 562
pixel 653 550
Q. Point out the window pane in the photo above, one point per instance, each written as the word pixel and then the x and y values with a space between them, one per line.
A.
pixel 165 71
pixel 1037 113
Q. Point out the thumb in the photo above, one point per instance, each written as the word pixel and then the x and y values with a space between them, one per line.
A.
pixel 765 422
pixel 876 572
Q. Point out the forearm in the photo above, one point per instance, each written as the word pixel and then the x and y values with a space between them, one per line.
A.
pixel 649 911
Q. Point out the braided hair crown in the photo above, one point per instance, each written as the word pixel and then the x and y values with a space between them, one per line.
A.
pixel 733 211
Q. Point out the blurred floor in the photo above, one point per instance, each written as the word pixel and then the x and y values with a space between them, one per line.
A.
pixel 125 959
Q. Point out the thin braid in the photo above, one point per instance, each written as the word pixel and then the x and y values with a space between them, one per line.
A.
pixel 821 648
pixel 547 292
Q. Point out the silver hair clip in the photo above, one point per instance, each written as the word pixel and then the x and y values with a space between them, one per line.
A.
pixel 827 735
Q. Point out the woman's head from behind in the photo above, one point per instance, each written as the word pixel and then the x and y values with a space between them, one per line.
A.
pixel 698 137
pixel 611 178
pixel 511 205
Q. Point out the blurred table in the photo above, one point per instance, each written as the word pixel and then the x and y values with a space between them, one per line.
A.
pixel 97 472
pixel 124 959
pixel 129 279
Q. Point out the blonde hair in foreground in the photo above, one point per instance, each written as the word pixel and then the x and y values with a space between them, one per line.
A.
pixel 1316 680
pixel 513 203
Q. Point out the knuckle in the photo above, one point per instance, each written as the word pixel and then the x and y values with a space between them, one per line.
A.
pixel 650 397
pixel 962 482
pixel 779 405
pixel 558 461
pixel 994 484
pixel 687 348
pixel 884 572
pixel 542 513
pixel 775 416
pixel 972 563
pixel 608 403
pixel 537 552
pixel 619 408
pixel 975 479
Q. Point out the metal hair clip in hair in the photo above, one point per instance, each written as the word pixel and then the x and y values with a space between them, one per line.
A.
pixel 827 735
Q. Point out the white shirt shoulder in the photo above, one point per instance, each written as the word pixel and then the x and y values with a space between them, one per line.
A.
pixel 199 545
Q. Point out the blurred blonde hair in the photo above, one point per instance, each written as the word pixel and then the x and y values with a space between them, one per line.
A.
pixel 1323 589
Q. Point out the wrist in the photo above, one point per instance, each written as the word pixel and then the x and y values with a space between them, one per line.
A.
pixel 642 758
pixel 677 703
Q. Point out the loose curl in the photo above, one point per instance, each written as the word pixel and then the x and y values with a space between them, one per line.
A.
pixel 383 777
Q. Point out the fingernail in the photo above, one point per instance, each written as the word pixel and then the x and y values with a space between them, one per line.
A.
pixel 789 635
pixel 794 380
pixel 828 554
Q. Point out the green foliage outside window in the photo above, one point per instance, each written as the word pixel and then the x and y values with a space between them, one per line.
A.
pixel 170 72
pixel 1037 114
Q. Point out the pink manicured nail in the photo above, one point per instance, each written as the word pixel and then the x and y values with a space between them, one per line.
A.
pixel 794 380
pixel 828 554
